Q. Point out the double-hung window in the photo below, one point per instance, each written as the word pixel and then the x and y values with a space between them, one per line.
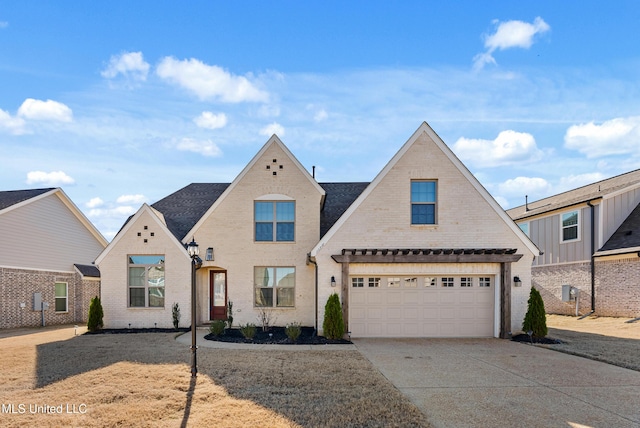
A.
pixel 274 287
pixel 61 297
pixel 275 221
pixel 146 281
pixel 423 201
pixel 570 222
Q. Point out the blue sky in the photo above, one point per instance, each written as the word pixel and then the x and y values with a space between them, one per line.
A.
pixel 121 103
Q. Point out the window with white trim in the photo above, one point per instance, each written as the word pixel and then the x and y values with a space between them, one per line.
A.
pixel 423 201
pixel 411 282
pixel 62 297
pixel 570 229
pixel 393 282
pixel 430 282
pixel 524 227
pixel 146 281
pixel 374 282
pixel 357 282
pixel 274 287
pixel 485 281
pixel 274 221
pixel 466 282
pixel 446 281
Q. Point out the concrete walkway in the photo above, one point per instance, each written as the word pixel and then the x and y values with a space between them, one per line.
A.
pixel 498 383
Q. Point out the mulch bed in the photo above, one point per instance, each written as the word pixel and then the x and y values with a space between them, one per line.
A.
pixel 276 336
pixel 524 338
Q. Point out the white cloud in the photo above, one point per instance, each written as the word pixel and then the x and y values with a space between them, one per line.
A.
pixel 131 199
pixel 94 203
pixel 205 148
pixel 211 120
pixel 521 186
pixel 509 34
pixel 320 115
pixel 14 125
pixel 509 148
pixel 131 65
pixel 613 137
pixel 124 210
pixel 45 110
pixel 273 128
pixel 209 81
pixel 53 178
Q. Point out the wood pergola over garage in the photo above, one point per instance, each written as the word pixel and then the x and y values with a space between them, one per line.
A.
pixel 453 305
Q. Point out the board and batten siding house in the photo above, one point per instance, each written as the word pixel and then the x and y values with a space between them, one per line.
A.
pixel 46 255
pixel 421 251
pixel 589 239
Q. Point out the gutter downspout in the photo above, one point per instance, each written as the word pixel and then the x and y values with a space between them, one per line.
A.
pixel 309 260
pixel 593 258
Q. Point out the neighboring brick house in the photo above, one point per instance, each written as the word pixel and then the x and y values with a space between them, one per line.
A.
pixel 590 240
pixel 421 251
pixel 46 252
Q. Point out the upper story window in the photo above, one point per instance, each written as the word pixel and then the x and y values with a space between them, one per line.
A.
pixel 423 201
pixel 275 221
pixel 524 227
pixel 570 222
pixel 146 281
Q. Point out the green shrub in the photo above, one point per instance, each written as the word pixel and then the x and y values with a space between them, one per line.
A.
pixel 94 322
pixel 293 331
pixel 333 325
pixel 248 331
pixel 535 320
pixel 175 313
pixel 217 327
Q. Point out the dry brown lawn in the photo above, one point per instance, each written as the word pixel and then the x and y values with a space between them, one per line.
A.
pixel 611 340
pixel 145 380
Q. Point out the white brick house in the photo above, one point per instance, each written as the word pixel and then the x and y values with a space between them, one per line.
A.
pixel 423 250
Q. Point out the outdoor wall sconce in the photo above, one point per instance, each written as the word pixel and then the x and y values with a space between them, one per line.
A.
pixel 517 282
pixel 333 281
pixel 209 256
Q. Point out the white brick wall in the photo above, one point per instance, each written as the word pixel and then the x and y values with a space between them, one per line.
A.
pixel 230 231
pixel 114 272
pixel 465 220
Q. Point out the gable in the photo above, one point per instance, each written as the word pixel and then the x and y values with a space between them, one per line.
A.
pixel 144 233
pixel 51 230
pixel 468 217
pixel 274 170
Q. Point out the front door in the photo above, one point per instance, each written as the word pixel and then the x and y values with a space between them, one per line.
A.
pixel 218 293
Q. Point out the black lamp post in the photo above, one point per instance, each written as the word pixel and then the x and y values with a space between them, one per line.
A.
pixel 196 263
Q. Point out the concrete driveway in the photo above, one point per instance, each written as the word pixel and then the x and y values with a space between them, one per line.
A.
pixel 499 383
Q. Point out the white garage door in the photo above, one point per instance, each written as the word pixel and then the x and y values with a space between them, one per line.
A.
pixel 442 306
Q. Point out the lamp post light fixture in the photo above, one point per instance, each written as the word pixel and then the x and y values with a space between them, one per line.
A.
pixel 196 263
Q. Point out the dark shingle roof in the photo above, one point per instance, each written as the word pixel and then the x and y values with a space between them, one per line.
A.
pixel 576 196
pixel 339 197
pixel 183 209
pixel 627 235
pixel 12 197
pixel 91 271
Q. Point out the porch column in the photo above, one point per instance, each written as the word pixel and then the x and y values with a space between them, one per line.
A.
pixel 505 300
pixel 345 295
